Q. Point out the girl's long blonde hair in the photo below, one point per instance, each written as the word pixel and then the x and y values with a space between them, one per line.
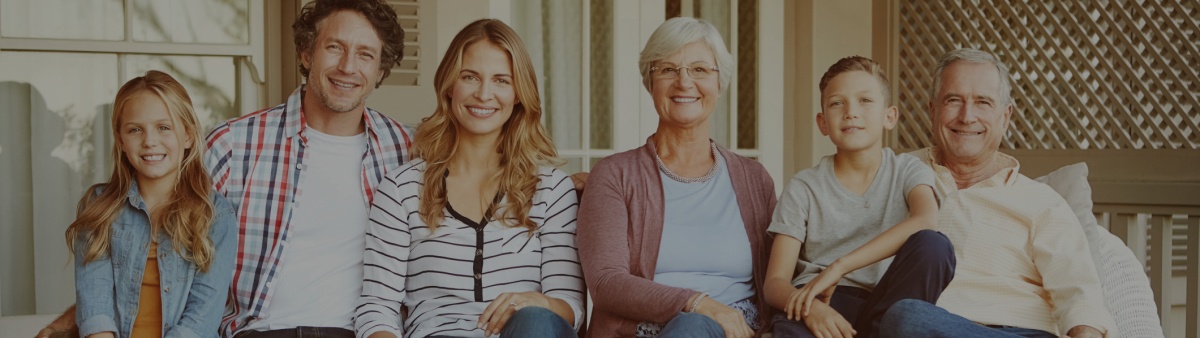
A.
pixel 523 143
pixel 186 215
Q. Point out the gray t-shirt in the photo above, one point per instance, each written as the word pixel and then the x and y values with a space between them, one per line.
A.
pixel 831 221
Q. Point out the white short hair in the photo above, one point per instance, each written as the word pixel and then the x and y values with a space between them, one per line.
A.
pixel 973 56
pixel 673 34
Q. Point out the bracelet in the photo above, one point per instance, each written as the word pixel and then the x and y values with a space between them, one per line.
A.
pixel 696 302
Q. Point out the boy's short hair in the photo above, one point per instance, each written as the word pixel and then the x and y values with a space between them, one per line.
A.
pixel 857 63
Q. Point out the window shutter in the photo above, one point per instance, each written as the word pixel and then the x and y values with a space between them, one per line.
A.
pixel 408 71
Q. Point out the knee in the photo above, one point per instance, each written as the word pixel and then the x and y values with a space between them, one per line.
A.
pixel 689 324
pixel 906 318
pixel 692 319
pixel 930 246
pixel 907 308
pixel 534 322
pixel 782 327
pixel 534 314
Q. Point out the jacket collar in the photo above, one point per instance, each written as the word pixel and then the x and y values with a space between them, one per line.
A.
pixel 134 196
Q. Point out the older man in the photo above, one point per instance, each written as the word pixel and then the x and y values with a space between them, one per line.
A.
pixel 1024 269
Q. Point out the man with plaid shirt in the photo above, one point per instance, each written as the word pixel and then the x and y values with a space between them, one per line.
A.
pixel 303 173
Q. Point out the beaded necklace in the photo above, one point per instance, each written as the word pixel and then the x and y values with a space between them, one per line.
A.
pixel 711 171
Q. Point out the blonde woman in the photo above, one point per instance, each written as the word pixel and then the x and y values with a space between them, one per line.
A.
pixel 154 247
pixel 477 237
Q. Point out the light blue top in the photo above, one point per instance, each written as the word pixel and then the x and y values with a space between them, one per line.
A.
pixel 704 245
pixel 107 289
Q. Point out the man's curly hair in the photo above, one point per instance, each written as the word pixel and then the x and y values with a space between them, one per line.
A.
pixel 380 14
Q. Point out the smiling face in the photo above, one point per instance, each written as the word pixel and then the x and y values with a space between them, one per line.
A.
pixel 483 95
pixel 685 101
pixel 150 139
pixel 853 112
pixel 344 64
pixel 969 115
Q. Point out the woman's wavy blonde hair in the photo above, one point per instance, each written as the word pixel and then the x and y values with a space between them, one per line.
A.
pixel 185 217
pixel 523 143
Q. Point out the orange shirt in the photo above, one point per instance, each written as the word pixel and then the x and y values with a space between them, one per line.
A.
pixel 149 313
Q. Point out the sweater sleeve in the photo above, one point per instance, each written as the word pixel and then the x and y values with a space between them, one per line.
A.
pixel 604 249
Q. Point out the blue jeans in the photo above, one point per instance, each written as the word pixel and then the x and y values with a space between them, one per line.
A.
pixel 537 322
pixel 692 325
pixel 921 269
pixel 915 318
pixel 534 322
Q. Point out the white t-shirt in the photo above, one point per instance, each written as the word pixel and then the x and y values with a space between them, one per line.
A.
pixel 320 276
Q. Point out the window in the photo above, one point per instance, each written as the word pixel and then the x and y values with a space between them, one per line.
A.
pixel 61 63
pixel 595 103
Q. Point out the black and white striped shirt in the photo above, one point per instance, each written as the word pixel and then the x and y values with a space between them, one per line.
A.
pixel 447 278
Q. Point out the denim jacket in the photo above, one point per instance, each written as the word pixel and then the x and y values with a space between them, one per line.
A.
pixel 107 289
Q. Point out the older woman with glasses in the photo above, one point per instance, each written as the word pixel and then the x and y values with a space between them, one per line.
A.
pixel 672 235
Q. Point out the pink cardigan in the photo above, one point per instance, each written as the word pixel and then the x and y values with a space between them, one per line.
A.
pixel 620 229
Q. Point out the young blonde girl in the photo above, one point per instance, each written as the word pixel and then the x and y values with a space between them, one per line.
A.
pixel 153 247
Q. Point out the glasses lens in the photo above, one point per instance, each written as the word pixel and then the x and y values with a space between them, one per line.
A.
pixel 698 72
pixel 667 73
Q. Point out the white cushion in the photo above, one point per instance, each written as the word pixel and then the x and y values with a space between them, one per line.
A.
pixel 1126 287
pixel 1071 183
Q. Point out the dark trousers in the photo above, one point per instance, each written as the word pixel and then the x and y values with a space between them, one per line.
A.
pixel 921 269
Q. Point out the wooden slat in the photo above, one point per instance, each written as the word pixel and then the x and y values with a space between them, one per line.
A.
pixel 408 71
pixel 1139 165
pixel 1160 266
pixel 1193 276
pixel 1130 231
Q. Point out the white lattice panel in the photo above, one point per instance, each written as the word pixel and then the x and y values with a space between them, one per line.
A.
pixel 1105 74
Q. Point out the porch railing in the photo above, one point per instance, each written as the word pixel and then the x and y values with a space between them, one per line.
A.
pixel 1166 239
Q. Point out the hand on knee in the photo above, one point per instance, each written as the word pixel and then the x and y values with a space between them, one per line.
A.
pixel 535 321
pixel 730 320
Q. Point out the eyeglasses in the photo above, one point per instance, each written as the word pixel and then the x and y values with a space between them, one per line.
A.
pixel 671 73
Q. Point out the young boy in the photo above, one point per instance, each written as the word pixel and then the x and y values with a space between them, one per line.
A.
pixel 839 223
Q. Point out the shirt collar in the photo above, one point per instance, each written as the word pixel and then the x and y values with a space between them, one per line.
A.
pixel 295 124
pixel 1007 175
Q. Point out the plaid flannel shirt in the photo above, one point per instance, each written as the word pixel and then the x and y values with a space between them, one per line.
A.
pixel 257 162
